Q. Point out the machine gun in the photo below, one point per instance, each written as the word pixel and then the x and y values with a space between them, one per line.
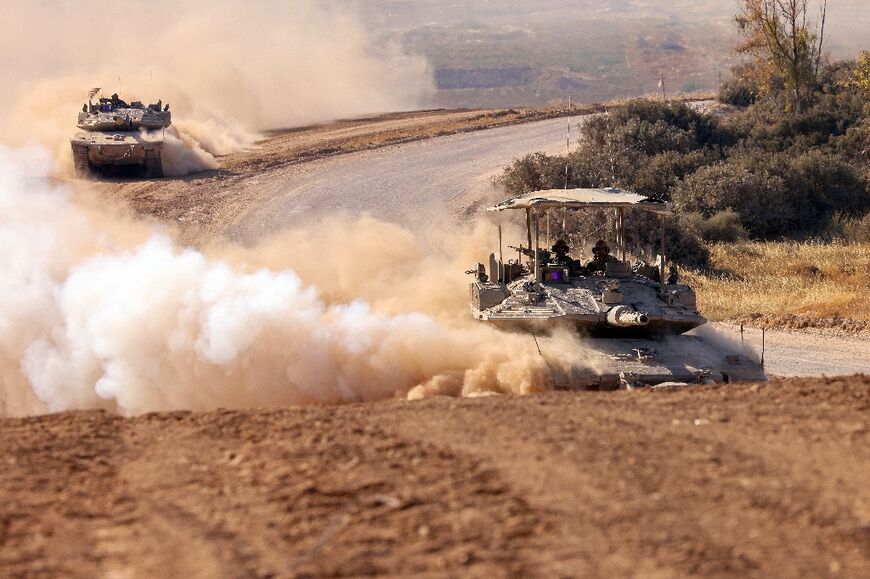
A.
pixel 542 253
pixel 479 273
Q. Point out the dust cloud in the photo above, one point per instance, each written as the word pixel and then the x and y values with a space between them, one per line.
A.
pixel 102 312
pixel 228 69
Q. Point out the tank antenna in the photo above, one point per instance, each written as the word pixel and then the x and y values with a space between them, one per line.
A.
pixel 500 254
pixel 537 253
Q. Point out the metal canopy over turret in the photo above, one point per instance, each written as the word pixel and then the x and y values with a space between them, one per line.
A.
pixel 584 199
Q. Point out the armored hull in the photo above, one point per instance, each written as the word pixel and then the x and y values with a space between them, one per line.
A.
pixel 625 363
pixel 92 151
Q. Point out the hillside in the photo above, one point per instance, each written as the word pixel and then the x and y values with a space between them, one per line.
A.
pixel 512 52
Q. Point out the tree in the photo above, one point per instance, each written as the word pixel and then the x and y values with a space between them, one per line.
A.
pixel 781 34
pixel 859 80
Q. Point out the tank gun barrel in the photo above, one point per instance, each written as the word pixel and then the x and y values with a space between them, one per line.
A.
pixel 625 317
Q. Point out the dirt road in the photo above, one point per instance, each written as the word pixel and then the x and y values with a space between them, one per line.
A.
pixel 415 183
pixel 796 354
pixel 749 481
pixel 737 480
pixel 348 168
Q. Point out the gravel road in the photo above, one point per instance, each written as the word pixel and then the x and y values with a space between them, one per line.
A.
pixel 806 354
pixel 412 184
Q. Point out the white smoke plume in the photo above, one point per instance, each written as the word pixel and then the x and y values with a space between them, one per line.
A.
pixel 229 69
pixel 103 313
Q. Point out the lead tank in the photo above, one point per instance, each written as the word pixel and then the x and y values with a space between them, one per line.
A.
pixel 634 318
pixel 115 134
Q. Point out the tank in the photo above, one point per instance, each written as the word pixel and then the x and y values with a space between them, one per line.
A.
pixel 119 136
pixel 635 318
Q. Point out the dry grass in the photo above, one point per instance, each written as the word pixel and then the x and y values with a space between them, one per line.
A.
pixel 810 279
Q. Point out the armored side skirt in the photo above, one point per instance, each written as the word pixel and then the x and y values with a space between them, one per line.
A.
pixel 544 322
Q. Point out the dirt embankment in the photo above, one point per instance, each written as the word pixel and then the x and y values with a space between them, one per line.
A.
pixel 765 480
pixel 283 147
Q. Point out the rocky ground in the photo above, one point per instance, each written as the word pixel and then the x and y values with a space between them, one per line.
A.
pixel 741 480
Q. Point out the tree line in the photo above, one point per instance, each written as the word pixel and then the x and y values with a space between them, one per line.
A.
pixel 793 161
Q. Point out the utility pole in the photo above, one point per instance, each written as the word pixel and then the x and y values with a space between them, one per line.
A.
pixel 567 152
pixel 662 86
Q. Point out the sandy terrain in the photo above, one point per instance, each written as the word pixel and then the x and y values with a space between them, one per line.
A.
pixel 745 480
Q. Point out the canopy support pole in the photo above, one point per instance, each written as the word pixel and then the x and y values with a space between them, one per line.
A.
pixel 620 235
pixel 537 251
pixel 664 256
pixel 500 257
pixel 500 254
pixel 548 242
pixel 529 227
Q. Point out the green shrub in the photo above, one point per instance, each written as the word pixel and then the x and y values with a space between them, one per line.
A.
pixel 722 226
pixel 533 173
pixel 761 200
pixel 737 92
pixel 829 182
pixel 658 175
pixel 655 126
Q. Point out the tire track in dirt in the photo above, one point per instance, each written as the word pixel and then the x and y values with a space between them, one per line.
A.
pixel 756 481
pixel 626 491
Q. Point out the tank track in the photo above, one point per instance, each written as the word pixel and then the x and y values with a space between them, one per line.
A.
pixel 153 164
pixel 81 161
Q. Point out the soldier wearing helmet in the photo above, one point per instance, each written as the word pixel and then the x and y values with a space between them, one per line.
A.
pixel 601 257
pixel 560 251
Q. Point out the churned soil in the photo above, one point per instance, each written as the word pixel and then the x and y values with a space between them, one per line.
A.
pixel 741 480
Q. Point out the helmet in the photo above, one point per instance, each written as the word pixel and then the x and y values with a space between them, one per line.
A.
pixel 561 246
pixel 601 247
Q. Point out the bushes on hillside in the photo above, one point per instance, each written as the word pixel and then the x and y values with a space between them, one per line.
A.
pixel 761 173
pixel 760 199
pixel 737 92
pixel 658 175
pixel 533 172
pixel 722 226
pixel 829 183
